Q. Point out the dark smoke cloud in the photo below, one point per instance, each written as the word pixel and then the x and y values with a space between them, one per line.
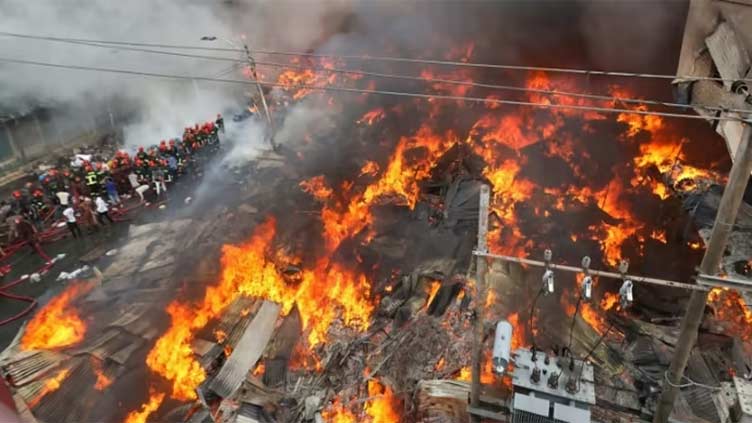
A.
pixel 624 35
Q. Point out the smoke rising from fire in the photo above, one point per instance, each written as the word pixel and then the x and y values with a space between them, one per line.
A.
pixel 163 107
pixel 341 26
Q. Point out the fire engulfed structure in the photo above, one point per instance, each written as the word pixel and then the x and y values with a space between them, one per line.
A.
pixel 362 233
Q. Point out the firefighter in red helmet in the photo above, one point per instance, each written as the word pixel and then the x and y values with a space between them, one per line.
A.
pixel 141 154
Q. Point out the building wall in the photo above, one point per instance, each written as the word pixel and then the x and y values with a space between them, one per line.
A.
pixel 32 136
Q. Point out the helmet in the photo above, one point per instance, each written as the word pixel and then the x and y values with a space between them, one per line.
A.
pixel 88 168
pixel 52 172
pixel 37 193
pixel 17 194
pixel 139 162
pixel 152 163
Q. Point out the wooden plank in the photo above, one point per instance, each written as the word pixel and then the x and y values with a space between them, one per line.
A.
pixel 728 53
pixel 247 351
pixel 443 401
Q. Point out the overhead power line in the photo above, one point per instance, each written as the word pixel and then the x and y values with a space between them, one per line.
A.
pixel 556 93
pixel 583 72
pixel 379 92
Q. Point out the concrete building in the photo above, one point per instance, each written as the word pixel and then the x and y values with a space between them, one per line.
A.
pixel 29 135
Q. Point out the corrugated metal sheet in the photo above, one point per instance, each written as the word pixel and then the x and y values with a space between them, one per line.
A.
pixel 247 351
pixel 249 413
pixel 31 365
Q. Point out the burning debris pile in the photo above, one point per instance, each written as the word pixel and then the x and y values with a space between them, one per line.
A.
pixel 355 283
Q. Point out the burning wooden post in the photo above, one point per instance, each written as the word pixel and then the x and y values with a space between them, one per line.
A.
pixel 480 294
pixel 711 262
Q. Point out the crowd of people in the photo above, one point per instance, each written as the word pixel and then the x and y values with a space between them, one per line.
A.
pixel 92 189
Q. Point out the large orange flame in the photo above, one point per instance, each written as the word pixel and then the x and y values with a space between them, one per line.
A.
pixel 58 323
pixel 140 416
pixel 382 408
pixel 326 293
pixel 338 413
pixel 731 307
pixel 412 161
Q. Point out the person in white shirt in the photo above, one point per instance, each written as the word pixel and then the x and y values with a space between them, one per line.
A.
pixel 102 210
pixel 139 188
pixel 70 220
pixel 63 197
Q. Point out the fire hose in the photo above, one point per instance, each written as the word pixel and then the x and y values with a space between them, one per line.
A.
pixel 32 301
pixel 52 233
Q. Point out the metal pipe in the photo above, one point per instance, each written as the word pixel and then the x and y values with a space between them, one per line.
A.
pixel 601 273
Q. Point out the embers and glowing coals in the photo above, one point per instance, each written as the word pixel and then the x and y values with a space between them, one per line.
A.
pixel 102 380
pixel 52 384
pixel 372 116
pixel 321 295
pixel 382 407
pixel 58 323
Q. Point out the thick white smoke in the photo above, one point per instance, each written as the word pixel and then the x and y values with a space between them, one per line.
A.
pixel 163 106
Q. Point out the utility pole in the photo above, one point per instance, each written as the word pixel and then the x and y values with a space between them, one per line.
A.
pixel 711 262
pixel 252 65
pixel 481 268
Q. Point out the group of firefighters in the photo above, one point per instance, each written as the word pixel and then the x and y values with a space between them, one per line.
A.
pixel 104 180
